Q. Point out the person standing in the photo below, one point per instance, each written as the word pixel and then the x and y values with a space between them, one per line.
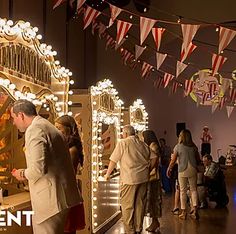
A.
pixel 154 193
pixel 67 125
pixel 49 171
pixel 136 161
pixel 188 158
pixel 206 141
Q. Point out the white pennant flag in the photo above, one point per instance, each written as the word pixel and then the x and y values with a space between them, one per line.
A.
pixel 122 29
pixel 229 110
pixel 160 59
pixel 225 37
pixel 157 35
pixel 180 67
pixel 146 25
pixel 188 31
pixel 138 51
pixel 90 15
pixel 115 11
pixel 217 62
pixel 214 107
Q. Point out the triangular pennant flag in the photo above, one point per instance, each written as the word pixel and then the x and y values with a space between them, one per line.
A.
pixel 212 89
pixel 160 59
pixel 57 3
pixel 229 110
pixel 214 107
pixel 115 11
pixel 80 3
pixel 225 85
pixel 146 68
pixel 101 29
pixel 180 67
pixel 146 24
pixel 122 29
pixel 126 55
pixel 157 35
pixel 188 87
pixel 94 26
pixel 133 64
pixel 167 78
pixel 185 52
pixel 138 51
pixel 118 45
pixel 221 102
pixel 158 83
pixel 217 62
pixel 188 31
pixel 109 40
pixel 90 15
pixel 205 97
pixel 175 85
pixel 225 37
pixel 232 95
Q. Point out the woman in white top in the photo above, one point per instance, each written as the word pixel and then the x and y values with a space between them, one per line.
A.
pixel 188 157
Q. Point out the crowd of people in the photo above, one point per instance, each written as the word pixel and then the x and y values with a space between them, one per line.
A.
pixel 148 168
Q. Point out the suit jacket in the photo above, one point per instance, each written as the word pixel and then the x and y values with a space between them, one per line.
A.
pixel 49 170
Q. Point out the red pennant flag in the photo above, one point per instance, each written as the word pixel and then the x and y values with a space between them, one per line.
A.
pixel 212 89
pixel 160 59
pixel 167 78
pixel 80 3
pixel 94 26
pixel 146 25
pixel 126 55
pixel 133 65
pixel 138 51
pixel 122 29
pixel 157 35
pixel 205 97
pixel 109 40
pixel 188 31
pixel 158 83
pixel 221 102
pixel 175 85
pixel 115 11
pixel 180 67
pixel 101 29
pixel 185 52
pixel 188 87
pixel 229 110
pixel 57 3
pixel 146 68
pixel 232 95
pixel 217 62
pixel 225 37
pixel 90 15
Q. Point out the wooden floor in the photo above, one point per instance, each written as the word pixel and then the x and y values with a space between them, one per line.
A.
pixel 212 221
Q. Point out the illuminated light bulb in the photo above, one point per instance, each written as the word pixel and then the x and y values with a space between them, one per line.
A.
pixel 100 163
pixel 131 17
pixel 39 37
pixel 95 224
pixel 95 215
pixel 10 22
pixel 35 29
pixel 94 163
pixel 94 172
pixel 47 109
pixel 27 24
pixel 71 82
pixel 55 98
pixel 95 207
pixel 95 198
pixel 94 103
pixel 43 45
pixel 54 53
pixel 2 22
pixel 70 92
pixel 49 47
pixel 95 190
pixel 70 113
pixel 6 82
pixel 12 86
pixel 69 73
pixel 57 62
pixel 70 103
pixel 44 105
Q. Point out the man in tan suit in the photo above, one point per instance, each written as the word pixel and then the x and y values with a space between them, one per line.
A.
pixel 49 170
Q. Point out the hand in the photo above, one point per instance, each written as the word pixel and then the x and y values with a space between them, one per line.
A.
pixel 168 172
pixel 17 173
pixel 104 172
pixel 107 177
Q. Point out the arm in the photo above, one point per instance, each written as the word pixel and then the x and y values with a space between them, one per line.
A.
pixel 36 146
pixel 111 166
pixel 172 163
pixel 74 157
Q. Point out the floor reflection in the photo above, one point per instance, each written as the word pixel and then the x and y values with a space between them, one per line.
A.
pixel 212 221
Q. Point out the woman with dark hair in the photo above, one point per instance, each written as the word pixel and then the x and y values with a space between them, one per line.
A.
pixel 67 125
pixel 188 158
pixel 154 198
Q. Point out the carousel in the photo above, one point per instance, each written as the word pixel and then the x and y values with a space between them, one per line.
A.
pixel 28 70
pixel 98 112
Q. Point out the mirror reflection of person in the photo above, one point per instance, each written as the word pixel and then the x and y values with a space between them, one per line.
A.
pixel 49 171
pixel 136 161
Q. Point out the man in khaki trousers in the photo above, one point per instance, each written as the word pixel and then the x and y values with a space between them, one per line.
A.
pixel 136 161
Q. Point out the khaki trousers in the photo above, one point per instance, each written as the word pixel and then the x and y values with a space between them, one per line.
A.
pixel 53 225
pixel 133 201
